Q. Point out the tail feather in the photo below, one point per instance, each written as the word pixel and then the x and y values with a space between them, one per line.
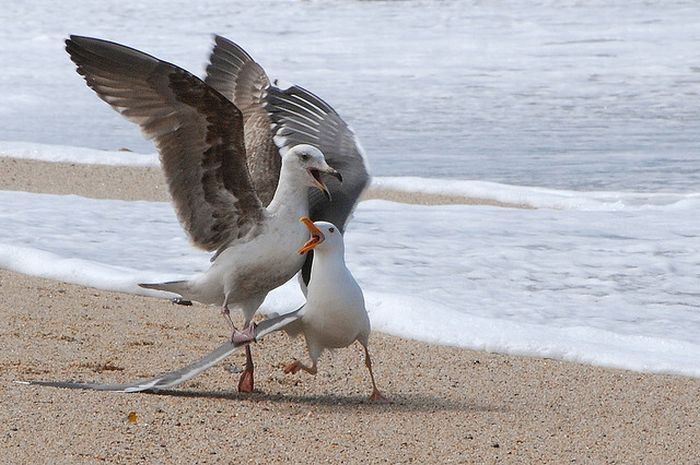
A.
pixel 178 287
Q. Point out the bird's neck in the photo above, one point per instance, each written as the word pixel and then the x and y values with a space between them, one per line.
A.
pixel 292 195
pixel 332 259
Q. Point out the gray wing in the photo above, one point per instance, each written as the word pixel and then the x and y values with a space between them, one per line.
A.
pixel 287 322
pixel 198 133
pixel 165 381
pixel 296 116
pixel 239 78
pixel 300 117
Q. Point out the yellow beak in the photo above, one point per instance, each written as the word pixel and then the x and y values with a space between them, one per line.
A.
pixel 316 235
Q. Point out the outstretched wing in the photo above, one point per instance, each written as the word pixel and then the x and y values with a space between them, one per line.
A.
pixel 239 78
pixel 198 133
pixel 295 116
pixel 288 322
pixel 300 117
pixel 164 381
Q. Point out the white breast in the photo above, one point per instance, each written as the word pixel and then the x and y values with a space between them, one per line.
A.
pixel 335 311
pixel 257 266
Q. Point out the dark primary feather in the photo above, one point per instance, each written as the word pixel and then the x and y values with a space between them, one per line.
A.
pixel 298 117
pixel 239 78
pixel 198 133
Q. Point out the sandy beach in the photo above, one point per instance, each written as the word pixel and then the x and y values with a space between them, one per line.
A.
pixel 450 405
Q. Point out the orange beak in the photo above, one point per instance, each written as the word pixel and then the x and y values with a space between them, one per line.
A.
pixel 316 235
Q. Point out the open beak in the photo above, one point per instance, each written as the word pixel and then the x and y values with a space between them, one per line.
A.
pixel 336 174
pixel 316 174
pixel 316 235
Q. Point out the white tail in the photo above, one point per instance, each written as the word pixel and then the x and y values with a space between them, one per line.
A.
pixel 178 287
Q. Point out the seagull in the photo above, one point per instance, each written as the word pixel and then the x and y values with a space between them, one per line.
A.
pixel 279 116
pixel 334 316
pixel 238 185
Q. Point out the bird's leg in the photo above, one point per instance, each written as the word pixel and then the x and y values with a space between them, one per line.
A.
pixel 376 396
pixel 227 314
pixel 296 365
pixel 246 383
pixel 244 336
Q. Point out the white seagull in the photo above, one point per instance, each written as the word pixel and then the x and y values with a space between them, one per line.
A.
pixel 235 192
pixel 334 316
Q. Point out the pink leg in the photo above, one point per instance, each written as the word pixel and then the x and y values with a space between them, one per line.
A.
pixel 227 314
pixel 246 383
pixel 296 365
pixel 376 396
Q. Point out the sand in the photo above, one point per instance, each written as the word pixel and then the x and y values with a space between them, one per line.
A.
pixel 449 405
pixel 126 183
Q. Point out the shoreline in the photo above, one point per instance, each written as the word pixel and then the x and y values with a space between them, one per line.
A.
pixel 106 182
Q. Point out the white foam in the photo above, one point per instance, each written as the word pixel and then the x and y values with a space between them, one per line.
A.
pixel 539 197
pixel 75 270
pixel 536 197
pixel 612 288
pixel 80 155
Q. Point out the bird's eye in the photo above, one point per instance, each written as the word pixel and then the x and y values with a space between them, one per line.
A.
pixel 331 230
pixel 304 157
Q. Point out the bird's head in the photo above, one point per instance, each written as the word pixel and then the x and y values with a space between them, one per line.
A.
pixel 324 236
pixel 310 161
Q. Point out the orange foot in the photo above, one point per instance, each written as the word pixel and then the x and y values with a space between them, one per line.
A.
pixel 293 367
pixel 378 397
pixel 246 382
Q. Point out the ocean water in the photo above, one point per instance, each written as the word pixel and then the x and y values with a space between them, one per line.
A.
pixel 600 95
pixel 587 111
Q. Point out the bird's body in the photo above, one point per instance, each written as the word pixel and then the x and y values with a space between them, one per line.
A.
pixel 334 315
pixel 243 272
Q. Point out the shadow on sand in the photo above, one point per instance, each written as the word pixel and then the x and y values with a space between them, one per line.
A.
pixel 398 402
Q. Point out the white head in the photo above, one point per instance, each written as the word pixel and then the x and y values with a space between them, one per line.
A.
pixel 325 237
pixel 310 162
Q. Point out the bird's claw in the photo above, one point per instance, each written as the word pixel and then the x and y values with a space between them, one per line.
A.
pixel 378 398
pixel 244 336
pixel 246 383
pixel 292 368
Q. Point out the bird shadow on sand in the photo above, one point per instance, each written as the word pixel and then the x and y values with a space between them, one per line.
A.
pixel 398 402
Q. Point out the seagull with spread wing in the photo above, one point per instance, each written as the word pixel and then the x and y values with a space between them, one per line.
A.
pixel 277 119
pixel 235 192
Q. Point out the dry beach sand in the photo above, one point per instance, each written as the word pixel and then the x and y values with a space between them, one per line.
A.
pixel 449 405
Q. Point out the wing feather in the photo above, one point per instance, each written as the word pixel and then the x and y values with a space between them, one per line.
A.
pixel 198 133
pixel 239 78
pixel 300 117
